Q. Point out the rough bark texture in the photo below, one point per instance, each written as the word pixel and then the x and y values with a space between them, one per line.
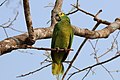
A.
pixel 28 20
pixel 104 33
pixel 18 42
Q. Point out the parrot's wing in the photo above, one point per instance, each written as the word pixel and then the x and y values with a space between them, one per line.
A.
pixel 71 39
pixel 55 33
pixel 69 46
pixel 54 36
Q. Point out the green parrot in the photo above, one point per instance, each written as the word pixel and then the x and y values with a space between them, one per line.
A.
pixel 62 39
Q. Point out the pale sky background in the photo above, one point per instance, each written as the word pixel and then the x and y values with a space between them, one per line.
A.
pixel 16 63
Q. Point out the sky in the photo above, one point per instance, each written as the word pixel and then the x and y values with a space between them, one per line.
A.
pixel 23 61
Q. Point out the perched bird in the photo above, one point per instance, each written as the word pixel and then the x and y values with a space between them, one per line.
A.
pixel 62 39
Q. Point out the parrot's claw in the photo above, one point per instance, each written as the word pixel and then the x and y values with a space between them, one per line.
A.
pixel 65 49
pixel 57 49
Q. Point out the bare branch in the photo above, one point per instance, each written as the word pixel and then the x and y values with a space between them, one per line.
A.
pixel 23 75
pixel 77 4
pixel 112 46
pixel 100 63
pixel 95 51
pixel 86 74
pixel 9 22
pixel 3 2
pixel 96 19
pixel 17 42
pixel 115 71
pixel 104 33
pixel 5 32
pixel 108 72
pixel 56 9
pixel 48 49
pixel 72 12
pixel 29 22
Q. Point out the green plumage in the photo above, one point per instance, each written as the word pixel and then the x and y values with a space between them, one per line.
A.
pixel 62 39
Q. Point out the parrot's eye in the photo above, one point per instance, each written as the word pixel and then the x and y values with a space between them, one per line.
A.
pixel 61 14
pixel 57 17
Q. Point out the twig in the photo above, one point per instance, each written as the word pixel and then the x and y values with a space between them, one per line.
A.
pixel 72 12
pixel 9 22
pixel 49 5
pixel 115 71
pixel 17 30
pixel 112 46
pixel 108 72
pixel 3 2
pixel 86 74
pixel 96 19
pixel 49 49
pixel 83 10
pixel 95 51
pixel 77 4
pixel 23 75
pixel 5 32
pixel 100 63
pixel 23 51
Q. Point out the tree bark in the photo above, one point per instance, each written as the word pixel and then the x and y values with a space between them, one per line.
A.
pixel 19 41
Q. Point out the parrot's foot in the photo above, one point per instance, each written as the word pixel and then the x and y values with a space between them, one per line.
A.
pixel 57 49
pixel 65 49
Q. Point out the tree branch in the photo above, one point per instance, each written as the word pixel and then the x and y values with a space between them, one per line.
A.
pixel 3 2
pixel 23 75
pixel 104 33
pixel 90 67
pixel 95 18
pixel 47 49
pixel 28 22
pixel 16 42
pixel 56 9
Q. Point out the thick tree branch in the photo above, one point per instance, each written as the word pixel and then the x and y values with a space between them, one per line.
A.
pixel 104 33
pixel 16 42
pixel 28 22
pixel 56 9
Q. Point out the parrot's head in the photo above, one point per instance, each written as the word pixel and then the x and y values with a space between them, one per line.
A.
pixel 61 16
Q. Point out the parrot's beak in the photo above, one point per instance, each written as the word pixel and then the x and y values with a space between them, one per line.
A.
pixel 57 17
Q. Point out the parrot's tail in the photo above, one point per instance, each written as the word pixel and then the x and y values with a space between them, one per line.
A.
pixel 57 69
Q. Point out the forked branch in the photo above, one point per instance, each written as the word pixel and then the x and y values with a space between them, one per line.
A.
pixel 31 39
pixel 92 66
